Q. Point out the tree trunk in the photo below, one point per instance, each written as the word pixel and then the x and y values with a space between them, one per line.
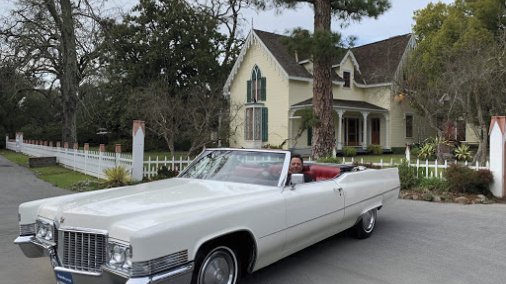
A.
pixel 324 132
pixel 481 154
pixel 169 139
pixel 69 75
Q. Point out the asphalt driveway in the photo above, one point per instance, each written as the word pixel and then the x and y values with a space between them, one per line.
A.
pixel 415 242
pixel 17 185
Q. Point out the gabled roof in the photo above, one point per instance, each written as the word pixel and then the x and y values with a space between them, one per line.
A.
pixel 274 43
pixel 375 63
pixel 379 60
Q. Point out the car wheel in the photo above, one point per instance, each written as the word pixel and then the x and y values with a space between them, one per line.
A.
pixel 219 266
pixel 365 226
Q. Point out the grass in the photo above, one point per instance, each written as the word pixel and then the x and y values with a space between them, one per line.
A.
pixel 62 177
pixel 56 175
pixel 17 158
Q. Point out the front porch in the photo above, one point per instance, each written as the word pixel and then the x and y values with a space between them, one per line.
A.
pixel 358 124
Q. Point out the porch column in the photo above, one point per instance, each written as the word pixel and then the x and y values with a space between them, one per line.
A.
pixel 387 131
pixel 340 130
pixel 290 126
pixel 364 135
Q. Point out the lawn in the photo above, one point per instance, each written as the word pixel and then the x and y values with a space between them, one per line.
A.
pixel 56 175
pixel 17 158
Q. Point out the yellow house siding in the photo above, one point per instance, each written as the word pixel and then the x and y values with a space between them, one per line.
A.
pixel 470 134
pixel 281 93
pixel 276 96
pixel 344 93
pixel 421 129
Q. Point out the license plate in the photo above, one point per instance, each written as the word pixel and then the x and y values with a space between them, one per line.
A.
pixel 63 277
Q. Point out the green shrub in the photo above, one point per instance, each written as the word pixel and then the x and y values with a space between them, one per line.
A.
pixel 483 180
pixel 269 146
pixel 349 151
pixel 407 176
pixel 375 149
pixel 164 173
pixel 414 151
pixel 433 184
pixel 465 180
pixel 398 150
pixel 116 176
pixel 427 151
pixel 463 153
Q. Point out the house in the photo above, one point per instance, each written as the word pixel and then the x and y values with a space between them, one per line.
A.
pixel 270 88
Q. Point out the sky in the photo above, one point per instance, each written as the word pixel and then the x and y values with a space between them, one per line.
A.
pixel 396 21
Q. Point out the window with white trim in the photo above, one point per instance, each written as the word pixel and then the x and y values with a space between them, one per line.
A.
pixel 347 79
pixel 255 127
pixel 256 87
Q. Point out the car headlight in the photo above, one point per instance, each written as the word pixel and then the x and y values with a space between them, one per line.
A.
pixel 119 257
pixel 44 230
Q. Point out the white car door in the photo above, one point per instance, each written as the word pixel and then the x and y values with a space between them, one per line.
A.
pixel 313 211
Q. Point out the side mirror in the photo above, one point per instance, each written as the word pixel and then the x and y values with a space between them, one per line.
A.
pixel 297 179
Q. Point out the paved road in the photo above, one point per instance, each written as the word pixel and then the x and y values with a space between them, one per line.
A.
pixel 415 242
pixel 17 185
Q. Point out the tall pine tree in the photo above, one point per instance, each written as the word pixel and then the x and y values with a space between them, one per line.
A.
pixel 345 11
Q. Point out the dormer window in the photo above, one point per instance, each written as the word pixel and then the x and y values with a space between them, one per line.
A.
pixel 347 79
pixel 256 90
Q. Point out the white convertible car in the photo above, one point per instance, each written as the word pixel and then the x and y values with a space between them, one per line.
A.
pixel 230 212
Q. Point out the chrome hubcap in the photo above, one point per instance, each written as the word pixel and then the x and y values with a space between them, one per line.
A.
pixel 219 267
pixel 369 220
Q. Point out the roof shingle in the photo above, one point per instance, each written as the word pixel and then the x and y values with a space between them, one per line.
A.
pixel 377 61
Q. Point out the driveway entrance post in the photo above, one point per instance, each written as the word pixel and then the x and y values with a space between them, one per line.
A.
pixel 497 154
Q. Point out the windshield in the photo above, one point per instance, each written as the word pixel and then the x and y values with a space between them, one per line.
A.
pixel 263 168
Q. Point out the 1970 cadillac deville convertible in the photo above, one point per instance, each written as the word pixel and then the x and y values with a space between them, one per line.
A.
pixel 231 211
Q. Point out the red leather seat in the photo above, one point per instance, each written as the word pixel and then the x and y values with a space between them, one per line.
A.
pixel 322 172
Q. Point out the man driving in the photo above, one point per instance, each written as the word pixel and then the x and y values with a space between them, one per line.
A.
pixel 297 167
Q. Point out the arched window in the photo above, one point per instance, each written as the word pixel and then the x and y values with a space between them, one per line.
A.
pixel 256 116
pixel 256 90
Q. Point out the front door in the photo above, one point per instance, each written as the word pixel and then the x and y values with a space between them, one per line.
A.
pixel 375 131
pixel 352 132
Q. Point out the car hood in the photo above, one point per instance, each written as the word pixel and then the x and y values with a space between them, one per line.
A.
pixel 136 207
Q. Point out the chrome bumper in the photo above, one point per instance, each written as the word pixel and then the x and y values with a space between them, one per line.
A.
pixel 32 248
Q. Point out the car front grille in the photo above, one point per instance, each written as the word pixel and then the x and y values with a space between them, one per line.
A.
pixel 82 251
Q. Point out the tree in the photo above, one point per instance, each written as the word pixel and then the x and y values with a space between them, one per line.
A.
pixel 324 131
pixel 23 108
pixel 57 41
pixel 228 16
pixel 167 56
pixel 455 70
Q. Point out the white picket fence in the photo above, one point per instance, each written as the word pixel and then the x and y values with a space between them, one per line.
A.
pixel 94 163
pixel 424 168
pixel 151 166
